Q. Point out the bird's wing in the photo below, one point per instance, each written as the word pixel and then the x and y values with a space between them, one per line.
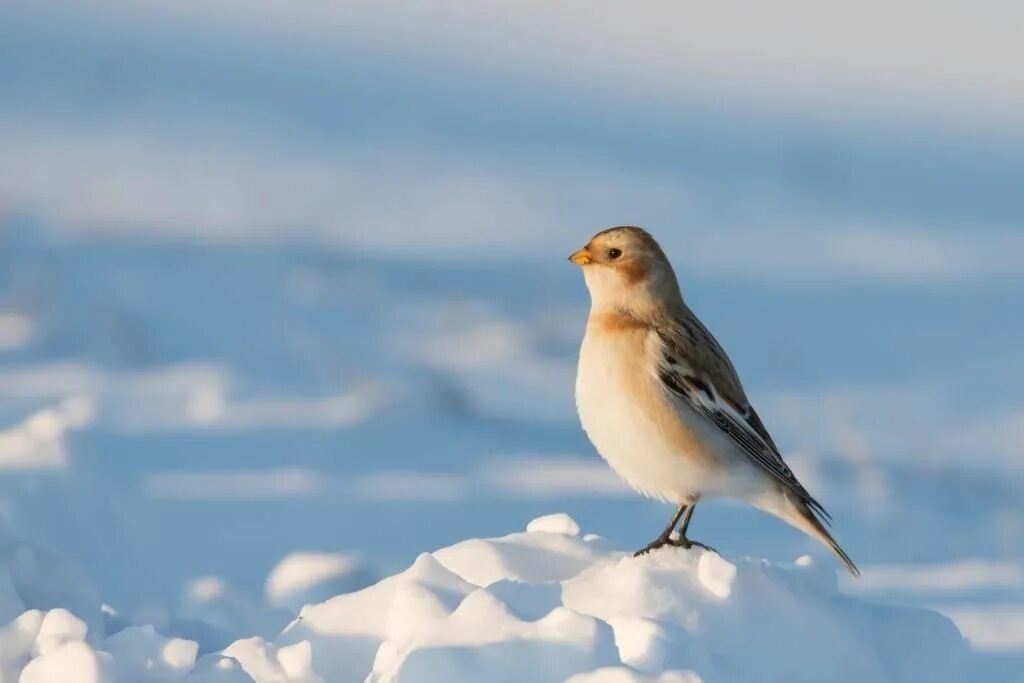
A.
pixel 694 369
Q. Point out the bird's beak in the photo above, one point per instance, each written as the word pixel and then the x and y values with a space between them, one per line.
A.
pixel 581 257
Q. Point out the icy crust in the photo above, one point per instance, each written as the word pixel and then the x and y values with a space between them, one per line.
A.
pixel 545 605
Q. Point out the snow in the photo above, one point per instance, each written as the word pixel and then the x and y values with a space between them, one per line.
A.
pixel 548 605
pixel 38 442
pixel 187 507
pixel 265 663
pixel 716 574
pixel 57 647
pixel 74 662
pixel 560 523
pixel 277 319
pixel 623 675
pixel 302 578
pixel 147 654
pixel 543 605
pixel 211 601
pixel 16 330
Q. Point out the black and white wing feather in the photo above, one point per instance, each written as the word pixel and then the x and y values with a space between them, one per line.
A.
pixel 721 401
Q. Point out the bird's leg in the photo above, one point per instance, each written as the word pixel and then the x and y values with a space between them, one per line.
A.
pixel 683 541
pixel 666 535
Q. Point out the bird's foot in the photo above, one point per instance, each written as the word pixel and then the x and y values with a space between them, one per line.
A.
pixel 654 545
pixel 686 544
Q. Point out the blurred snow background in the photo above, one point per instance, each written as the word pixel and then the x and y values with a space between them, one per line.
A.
pixel 284 300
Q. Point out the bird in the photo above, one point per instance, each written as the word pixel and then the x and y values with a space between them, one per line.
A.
pixel 662 403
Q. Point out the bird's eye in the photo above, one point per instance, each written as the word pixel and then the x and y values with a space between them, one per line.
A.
pixel 614 253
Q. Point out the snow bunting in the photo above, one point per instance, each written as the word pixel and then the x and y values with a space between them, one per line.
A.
pixel 661 402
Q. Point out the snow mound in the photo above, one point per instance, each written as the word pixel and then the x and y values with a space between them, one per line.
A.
pixel 545 605
pixel 549 605
pixel 302 578
pixel 57 647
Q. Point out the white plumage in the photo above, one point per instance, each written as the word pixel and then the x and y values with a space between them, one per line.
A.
pixel 613 369
pixel 662 403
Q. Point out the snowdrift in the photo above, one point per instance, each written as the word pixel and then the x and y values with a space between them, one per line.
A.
pixel 547 604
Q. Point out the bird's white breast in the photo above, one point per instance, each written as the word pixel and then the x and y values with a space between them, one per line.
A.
pixel 617 397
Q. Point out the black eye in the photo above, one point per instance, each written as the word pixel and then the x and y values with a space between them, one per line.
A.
pixel 614 253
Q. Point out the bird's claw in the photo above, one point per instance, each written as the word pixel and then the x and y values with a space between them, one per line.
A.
pixel 683 543
pixel 687 544
pixel 653 545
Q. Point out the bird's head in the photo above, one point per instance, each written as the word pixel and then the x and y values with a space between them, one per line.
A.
pixel 625 269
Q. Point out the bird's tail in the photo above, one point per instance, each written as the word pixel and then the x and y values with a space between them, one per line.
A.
pixel 800 515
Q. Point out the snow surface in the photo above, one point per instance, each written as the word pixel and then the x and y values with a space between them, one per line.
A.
pixel 279 315
pixel 542 605
pixel 302 578
pixel 241 432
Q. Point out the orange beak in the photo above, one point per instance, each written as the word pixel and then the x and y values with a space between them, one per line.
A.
pixel 581 257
